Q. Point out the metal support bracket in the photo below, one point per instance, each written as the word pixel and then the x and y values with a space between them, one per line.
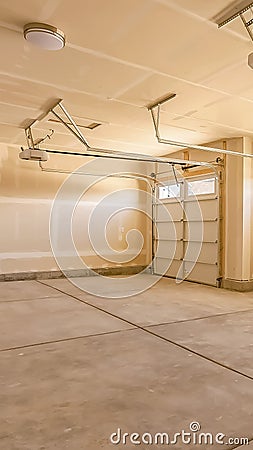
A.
pixel 70 124
pixel 156 122
pixel 73 127
pixel 29 137
pixel 175 175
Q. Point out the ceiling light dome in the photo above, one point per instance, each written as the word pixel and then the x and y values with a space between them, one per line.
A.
pixel 250 60
pixel 44 36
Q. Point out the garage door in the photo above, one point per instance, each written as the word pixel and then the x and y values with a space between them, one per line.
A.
pixel 186 229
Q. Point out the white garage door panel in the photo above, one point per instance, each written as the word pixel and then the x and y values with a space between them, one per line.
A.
pixel 166 267
pixel 194 231
pixel 170 249
pixel 170 211
pixel 170 230
pixel 189 234
pixel 208 208
pixel 208 252
pixel 200 272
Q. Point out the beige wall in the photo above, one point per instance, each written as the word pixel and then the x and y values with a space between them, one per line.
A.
pixel 26 197
pixel 248 206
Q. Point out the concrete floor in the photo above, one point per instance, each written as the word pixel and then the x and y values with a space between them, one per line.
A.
pixel 74 368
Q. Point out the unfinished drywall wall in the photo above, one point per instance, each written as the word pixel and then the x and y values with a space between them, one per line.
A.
pixel 26 197
pixel 248 207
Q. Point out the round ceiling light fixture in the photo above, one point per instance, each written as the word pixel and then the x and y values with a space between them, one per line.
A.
pixel 250 60
pixel 44 36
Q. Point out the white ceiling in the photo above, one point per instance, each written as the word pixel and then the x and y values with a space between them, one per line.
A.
pixel 120 56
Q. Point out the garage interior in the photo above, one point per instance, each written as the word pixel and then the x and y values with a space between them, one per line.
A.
pixel 126 245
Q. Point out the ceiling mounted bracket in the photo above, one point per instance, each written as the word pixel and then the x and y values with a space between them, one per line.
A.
pixel 161 100
pixel 155 110
pixel 72 126
pixel 57 109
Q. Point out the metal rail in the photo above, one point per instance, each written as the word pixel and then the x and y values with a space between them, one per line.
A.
pixel 227 16
pixel 95 153
pixel 147 178
pixel 238 10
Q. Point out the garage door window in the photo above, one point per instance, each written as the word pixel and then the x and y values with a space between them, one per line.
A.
pixel 201 187
pixel 170 191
